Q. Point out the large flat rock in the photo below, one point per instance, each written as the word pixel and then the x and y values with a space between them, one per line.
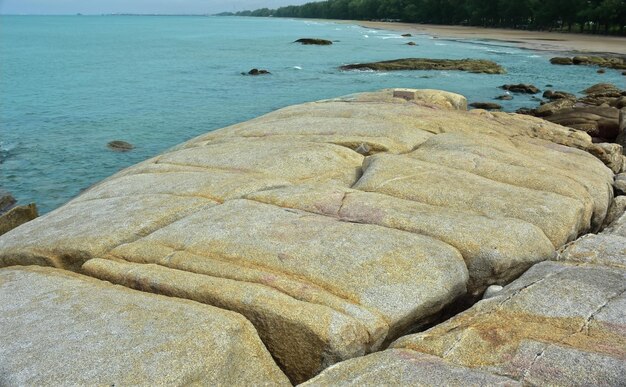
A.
pixel 336 226
pixel 61 328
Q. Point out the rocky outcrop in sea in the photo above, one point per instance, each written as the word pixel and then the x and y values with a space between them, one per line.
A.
pixel 306 241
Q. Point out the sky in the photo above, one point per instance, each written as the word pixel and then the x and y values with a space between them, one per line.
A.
pixel 65 7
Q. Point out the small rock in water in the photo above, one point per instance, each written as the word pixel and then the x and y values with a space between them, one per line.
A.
pixel 601 71
pixel 504 97
pixel 407 35
pixel 521 88
pixel 317 42
pixel 411 44
pixel 492 291
pixel 485 105
pixel 120 146
pixel 257 72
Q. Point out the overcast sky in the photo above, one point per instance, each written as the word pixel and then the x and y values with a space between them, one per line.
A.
pixel 136 6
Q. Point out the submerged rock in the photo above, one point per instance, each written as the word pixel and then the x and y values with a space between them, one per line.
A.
pixel 411 44
pixel 120 146
pixel 504 97
pixel 318 42
pixel 470 65
pixel 407 35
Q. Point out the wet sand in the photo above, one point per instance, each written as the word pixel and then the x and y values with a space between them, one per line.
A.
pixel 536 40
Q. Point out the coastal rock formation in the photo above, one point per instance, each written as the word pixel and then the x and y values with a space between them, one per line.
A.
pixel 317 42
pixel 63 328
pixel 521 88
pixel 597 113
pixel 612 62
pixel 336 226
pixel 521 335
pixel 470 65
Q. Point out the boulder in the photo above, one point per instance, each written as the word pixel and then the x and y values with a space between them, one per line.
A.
pixel 554 95
pixel 602 88
pixel 121 336
pixel 561 61
pixel 470 65
pixel 120 146
pixel 521 88
pixel 485 105
pixel 550 108
pixel 316 42
pixel 17 216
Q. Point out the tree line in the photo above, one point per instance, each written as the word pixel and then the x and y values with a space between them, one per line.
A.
pixel 589 16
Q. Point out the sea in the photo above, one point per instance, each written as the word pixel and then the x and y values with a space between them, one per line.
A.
pixel 71 84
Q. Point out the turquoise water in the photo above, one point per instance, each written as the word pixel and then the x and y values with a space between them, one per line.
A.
pixel 70 84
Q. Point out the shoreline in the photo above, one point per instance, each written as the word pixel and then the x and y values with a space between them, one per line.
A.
pixel 533 40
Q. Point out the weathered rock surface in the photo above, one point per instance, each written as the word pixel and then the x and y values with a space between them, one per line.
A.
pixel 559 324
pixel 402 367
pixel 61 328
pixel 313 41
pixel 470 65
pixel 335 226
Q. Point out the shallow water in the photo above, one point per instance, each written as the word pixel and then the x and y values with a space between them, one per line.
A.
pixel 70 84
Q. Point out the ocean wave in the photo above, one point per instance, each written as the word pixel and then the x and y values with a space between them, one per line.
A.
pixel 390 37
pixel 297 67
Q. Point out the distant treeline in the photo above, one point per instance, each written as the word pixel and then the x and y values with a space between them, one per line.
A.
pixel 590 16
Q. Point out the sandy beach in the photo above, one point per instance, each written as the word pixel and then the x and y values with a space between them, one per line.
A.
pixel 536 40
